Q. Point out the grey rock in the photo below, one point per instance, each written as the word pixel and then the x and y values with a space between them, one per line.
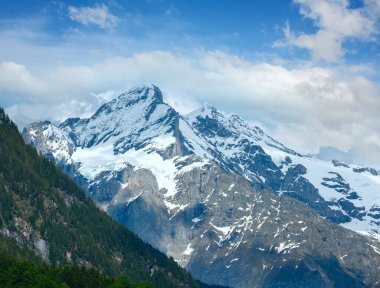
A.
pixel 238 216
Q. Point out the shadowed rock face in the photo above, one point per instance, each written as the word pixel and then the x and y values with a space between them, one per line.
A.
pixel 225 200
pixel 236 236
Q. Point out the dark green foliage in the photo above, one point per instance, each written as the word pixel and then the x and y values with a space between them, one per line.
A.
pixel 38 201
pixel 16 273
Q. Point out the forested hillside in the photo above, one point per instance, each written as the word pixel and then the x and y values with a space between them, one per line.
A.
pixel 50 218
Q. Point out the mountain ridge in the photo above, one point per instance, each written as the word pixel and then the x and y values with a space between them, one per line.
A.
pixel 156 172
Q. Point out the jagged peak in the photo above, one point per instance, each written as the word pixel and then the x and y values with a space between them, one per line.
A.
pixel 206 111
pixel 150 94
pixel 69 122
pixel 238 121
pixel 43 127
pixel 143 92
pixel 42 124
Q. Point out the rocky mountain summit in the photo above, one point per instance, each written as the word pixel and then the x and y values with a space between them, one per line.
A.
pixel 225 200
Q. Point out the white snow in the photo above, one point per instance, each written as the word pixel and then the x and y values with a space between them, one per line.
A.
pixel 104 207
pixel 225 230
pixel 377 250
pixel 196 220
pixel 32 133
pixel 133 198
pixel 262 179
pixel 95 160
pixel 101 158
pixel 366 185
pixel 57 142
pixel 188 250
pixel 289 245
pixel 193 165
pixel 170 205
pixel 199 145
pixel 162 142
pixel 124 185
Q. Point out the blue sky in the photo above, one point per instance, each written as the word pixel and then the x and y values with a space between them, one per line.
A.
pixel 305 70
pixel 246 28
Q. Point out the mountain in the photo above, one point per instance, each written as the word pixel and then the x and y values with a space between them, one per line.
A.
pixel 226 201
pixel 45 217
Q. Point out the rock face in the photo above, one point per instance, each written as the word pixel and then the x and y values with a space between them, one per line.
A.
pixel 226 201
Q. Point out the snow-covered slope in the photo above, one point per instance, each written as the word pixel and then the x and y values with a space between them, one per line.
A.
pixel 161 174
pixel 346 194
pixel 138 128
pixel 351 190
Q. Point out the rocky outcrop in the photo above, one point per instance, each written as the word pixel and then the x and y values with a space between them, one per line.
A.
pixel 227 233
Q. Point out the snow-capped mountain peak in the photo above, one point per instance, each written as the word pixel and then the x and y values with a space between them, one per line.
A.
pixel 137 151
pixel 131 119
pixel 150 93
pixel 205 111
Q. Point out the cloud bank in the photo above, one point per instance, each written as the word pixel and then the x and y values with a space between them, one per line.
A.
pixel 304 107
pixel 336 22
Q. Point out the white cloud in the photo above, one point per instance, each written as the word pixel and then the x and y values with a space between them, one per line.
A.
pixel 98 15
pixel 25 113
pixel 304 107
pixel 335 22
pixel 15 79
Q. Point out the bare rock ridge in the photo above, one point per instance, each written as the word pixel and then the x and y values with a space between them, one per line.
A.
pixel 226 201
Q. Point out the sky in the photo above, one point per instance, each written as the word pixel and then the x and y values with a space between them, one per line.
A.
pixel 306 71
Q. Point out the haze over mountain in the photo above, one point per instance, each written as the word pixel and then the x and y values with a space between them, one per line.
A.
pixel 225 200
